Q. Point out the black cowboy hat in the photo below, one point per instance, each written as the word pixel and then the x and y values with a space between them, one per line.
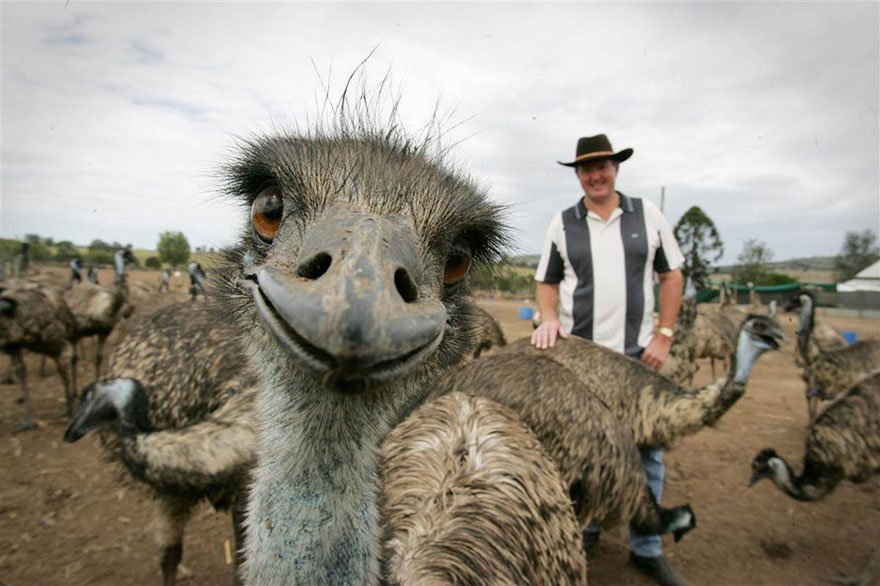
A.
pixel 594 148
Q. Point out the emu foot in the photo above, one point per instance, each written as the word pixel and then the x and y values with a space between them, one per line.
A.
pixel 26 425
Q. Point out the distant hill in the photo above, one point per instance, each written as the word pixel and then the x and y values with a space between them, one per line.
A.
pixel 808 263
pixel 804 264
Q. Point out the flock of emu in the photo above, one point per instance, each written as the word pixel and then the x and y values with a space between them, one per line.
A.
pixel 365 422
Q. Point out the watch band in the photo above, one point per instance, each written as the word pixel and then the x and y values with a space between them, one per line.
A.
pixel 664 331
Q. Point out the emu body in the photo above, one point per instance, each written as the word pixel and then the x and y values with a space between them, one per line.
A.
pixel 596 453
pixel 658 411
pixel 828 370
pixel 36 319
pixel 843 443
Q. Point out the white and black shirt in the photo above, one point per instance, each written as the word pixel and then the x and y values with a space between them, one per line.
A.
pixel 605 270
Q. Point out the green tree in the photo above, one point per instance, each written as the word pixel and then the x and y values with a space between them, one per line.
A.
pixel 173 248
pixel 859 251
pixel 65 250
pixel 753 260
pixel 99 245
pixel 153 262
pixel 699 241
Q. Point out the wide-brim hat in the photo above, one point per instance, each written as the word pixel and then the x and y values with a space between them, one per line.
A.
pixel 595 148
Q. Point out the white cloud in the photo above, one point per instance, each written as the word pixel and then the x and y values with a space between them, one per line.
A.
pixel 116 116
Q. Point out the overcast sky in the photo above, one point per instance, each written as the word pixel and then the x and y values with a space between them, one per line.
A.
pixel 116 116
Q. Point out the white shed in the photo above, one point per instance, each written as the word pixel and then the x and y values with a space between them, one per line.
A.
pixel 868 279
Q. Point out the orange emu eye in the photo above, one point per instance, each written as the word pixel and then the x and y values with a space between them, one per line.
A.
pixel 266 213
pixel 457 265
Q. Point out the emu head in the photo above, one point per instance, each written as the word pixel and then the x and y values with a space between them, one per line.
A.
pixel 122 399
pixel 763 332
pixel 353 266
pixel 767 464
pixel 757 335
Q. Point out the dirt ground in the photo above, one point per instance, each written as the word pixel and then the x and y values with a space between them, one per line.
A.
pixel 69 517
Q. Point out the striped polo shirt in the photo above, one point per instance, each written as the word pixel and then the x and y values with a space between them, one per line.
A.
pixel 605 270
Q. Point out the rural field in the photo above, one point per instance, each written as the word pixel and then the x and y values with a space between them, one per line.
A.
pixel 69 517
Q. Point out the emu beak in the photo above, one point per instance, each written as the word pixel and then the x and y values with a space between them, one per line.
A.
pixel 74 430
pixel 351 311
pixel 757 476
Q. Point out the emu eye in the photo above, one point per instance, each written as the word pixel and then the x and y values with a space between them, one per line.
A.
pixel 266 213
pixel 457 264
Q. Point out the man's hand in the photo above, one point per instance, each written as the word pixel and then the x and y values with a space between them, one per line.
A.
pixel 656 352
pixel 545 335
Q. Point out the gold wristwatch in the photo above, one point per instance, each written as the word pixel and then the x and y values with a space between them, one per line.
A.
pixel 664 331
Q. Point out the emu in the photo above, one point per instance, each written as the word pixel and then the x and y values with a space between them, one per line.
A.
pixel 184 406
pixel 98 310
pixel 658 411
pixel 350 289
pixel 828 372
pixel 596 454
pixel 843 443
pixel 35 318
pixel 197 280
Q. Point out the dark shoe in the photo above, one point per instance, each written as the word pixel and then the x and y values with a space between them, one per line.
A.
pixel 658 569
pixel 591 540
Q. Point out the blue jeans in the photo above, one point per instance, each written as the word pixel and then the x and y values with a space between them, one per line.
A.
pixel 652 461
pixel 645 545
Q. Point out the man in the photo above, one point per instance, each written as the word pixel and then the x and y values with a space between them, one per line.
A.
pixel 595 280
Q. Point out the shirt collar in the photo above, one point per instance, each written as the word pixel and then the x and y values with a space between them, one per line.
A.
pixel 580 210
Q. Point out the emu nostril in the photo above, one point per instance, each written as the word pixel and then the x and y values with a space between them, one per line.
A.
pixel 405 286
pixel 315 266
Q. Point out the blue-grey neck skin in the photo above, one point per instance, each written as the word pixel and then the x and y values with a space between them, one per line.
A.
pixel 119 263
pixel 783 477
pixel 806 314
pixel 312 512
pixel 747 354
pixel 75 270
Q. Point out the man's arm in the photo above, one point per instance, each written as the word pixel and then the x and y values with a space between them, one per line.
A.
pixel 547 298
pixel 670 302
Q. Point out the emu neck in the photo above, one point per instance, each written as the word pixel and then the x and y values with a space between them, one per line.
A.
pixel 797 487
pixel 744 359
pixel 734 386
pixel 807 316
pixel 313 513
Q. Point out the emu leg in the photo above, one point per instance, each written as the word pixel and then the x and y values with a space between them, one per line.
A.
pixel 74 361
pixel 43 366
pixel 20 370
pixel 8 378
pixel 171 521
pixel 99 355
pixel 712 362
pixel 238 518
pixel 62 363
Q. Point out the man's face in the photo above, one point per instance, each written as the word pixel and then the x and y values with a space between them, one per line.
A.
pixel 597 178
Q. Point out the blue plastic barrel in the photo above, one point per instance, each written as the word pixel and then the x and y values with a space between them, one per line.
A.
pixel 526 313
pixel 850 337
